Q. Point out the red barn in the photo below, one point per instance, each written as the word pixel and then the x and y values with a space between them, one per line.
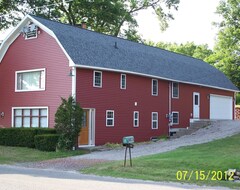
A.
pixel 125 88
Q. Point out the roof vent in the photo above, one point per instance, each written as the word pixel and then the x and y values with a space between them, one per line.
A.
pixel 116 47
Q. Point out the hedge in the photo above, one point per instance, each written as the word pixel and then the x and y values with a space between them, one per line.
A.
pixel 47 142
pixel 23 137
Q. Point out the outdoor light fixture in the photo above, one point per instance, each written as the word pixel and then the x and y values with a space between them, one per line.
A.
pixel 71 73
pixel 2 114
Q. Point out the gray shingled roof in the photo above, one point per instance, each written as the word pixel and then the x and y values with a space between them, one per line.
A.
pixel 90 48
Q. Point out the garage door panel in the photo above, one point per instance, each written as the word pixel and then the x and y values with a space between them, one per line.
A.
pixel 221 107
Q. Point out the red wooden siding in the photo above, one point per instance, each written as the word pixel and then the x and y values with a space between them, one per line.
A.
pixel 42 52
pixel 185 102
pixel 111 97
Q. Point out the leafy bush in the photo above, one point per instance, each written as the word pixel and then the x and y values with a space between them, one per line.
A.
pixel 238 99
pixel 68 119
pixel 47 142
pixel 23 137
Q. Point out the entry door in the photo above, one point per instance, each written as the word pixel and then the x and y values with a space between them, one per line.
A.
pixel 83 138
pixel 196 105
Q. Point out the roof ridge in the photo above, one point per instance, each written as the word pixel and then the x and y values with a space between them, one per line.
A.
pixel 146 45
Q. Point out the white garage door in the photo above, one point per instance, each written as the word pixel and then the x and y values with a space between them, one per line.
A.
pixel 221 107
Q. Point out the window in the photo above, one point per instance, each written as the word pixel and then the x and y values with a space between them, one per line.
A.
pixel 154 87
pixel 175 118
pixel 30 31
pixel 30 117
pixel 110 118
pixel 123 81
pixel 154 120
pixel 31 80
pixel 135 119
pixel 175 90
pixel 97 79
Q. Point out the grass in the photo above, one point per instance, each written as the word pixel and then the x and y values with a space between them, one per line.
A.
pixel 11 155
pixel 219 155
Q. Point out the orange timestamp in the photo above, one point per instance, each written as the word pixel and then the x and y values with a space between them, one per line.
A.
pixel 202 175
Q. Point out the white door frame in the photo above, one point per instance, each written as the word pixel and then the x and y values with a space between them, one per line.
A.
pixel 91 132
pixel 196 105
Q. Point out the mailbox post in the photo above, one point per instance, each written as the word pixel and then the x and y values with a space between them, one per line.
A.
pixel 128 143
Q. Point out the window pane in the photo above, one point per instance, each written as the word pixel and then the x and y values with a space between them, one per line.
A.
pixel 154 116
pixel 97 78
pixel 175 90
pixel 109 114
pixel 30 81
pixel 26 122
pixel 43 122
pixel 154 125
pixel 154 87
pixel 35 122
pixel 123 81
pixel 43 112
pixel 26 112
pixel 35 112
pixel 18 112
pixel 18 121
pixel 175 118
pixel 42 80
pixel 196 99
pixel 109 122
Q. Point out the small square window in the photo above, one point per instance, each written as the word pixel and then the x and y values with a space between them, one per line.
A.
pixel 154 87
pixel 135 119
pixel 175 90
pixel 154 120
pixel 110 118
pixel 175 118
pixel 97 79
pixel 123 81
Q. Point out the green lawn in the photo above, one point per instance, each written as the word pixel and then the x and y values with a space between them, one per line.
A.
pixel 219 155
pixel 10 155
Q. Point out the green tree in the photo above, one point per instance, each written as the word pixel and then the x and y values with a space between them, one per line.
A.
pixel 198 51
pixel 226 55
pixel 103 16
pixel 68 119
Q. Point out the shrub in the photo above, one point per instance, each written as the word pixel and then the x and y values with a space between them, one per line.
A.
pixel 238 99
pixel 23 137
pixel 47 142
pixel 68 119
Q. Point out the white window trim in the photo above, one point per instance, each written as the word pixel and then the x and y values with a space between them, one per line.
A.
pixel 121 82
pixel 109 118
pixel 154 120
pixel 178 118
pixel 178 91
pixel 135 119
pixel 40 107
pixel 28 71
pixel 157 87
pixel 94 79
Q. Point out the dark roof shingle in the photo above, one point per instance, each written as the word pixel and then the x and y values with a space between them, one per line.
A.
pixel 90 48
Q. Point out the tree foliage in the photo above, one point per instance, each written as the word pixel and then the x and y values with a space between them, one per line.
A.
pixel 68 119
pixel 189 48
pixel 226 55
pixel 108 17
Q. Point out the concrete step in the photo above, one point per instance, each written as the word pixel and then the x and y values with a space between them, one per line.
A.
pixel 194 126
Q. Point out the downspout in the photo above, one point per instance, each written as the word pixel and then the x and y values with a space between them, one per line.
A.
pixel 74 78
pixel 169 106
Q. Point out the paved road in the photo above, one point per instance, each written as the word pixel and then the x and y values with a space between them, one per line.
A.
pixel 18 178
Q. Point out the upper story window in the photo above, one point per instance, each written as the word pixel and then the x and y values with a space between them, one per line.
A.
pixel 97 79
pixel 154 87
pixel 110 118
pixel 123 83
pixel 154 120
pixel 175 90
pixel 30 117
pixel 175 118
pixel 135 119
pixel 30 80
